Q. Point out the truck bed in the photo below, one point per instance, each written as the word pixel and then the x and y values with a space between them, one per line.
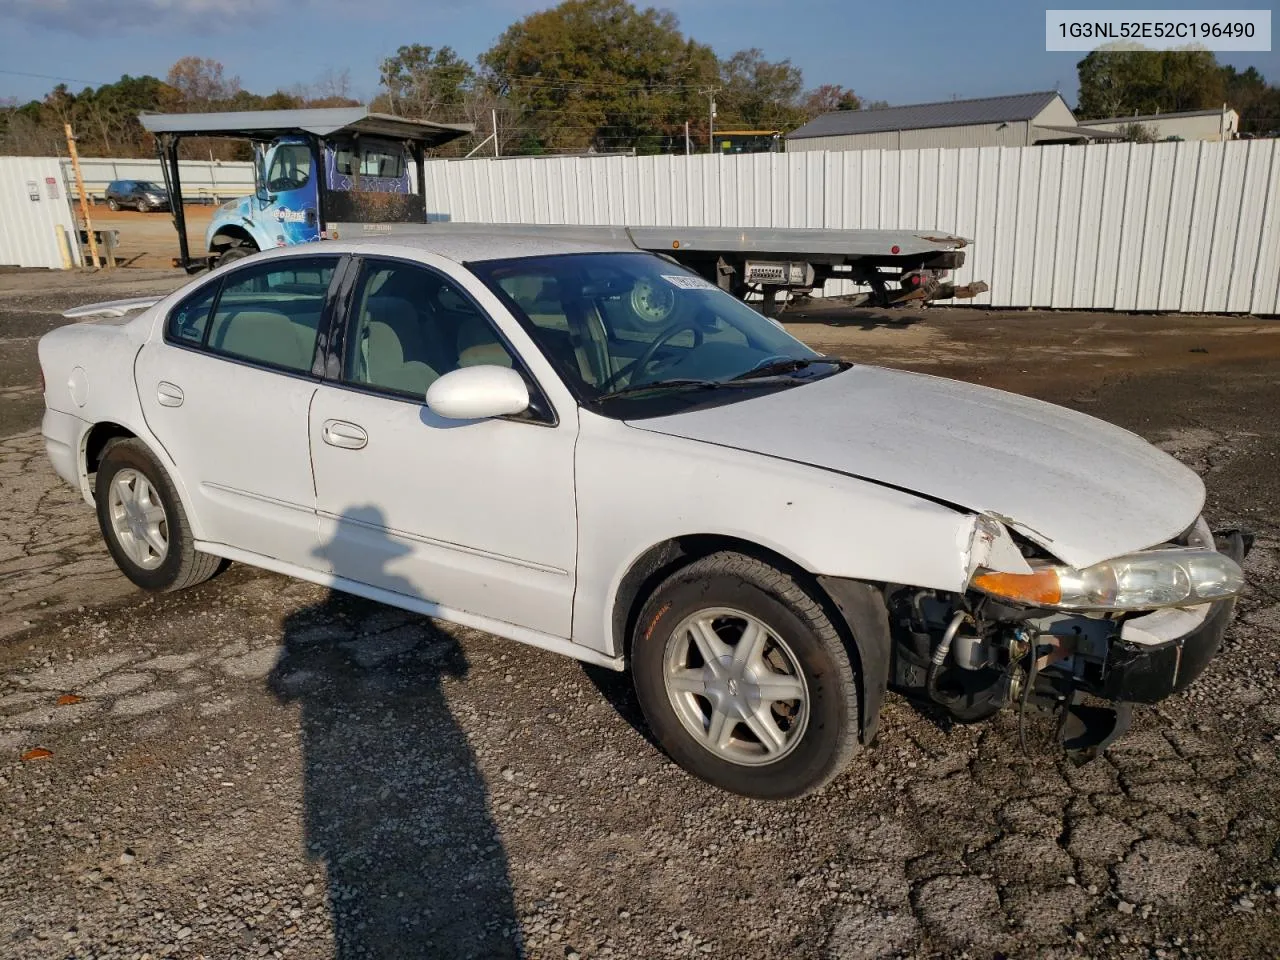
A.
pixel 832 246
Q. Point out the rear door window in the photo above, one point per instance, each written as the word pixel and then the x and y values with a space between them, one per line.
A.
pixel 269 313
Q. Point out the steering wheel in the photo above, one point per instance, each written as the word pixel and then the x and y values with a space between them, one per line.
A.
pixel 658 342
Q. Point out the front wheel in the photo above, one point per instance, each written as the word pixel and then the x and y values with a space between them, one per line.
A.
pixel 144 206
pixel 232 254
pixel 744 679
pixel 144 523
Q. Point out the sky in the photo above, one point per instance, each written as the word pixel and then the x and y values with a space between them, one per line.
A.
pixel 903 53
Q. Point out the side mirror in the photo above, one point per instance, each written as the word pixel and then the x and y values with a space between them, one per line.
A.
pixel 478 393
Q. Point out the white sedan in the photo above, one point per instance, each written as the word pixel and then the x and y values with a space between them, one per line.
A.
pixel 596 452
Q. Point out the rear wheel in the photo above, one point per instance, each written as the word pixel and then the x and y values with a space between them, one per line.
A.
pixel 144 523
pixel 144 206
pixel 744 680
pixel 112 205
pixel 232 254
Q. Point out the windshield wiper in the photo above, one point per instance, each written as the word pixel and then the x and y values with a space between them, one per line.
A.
pixel 681 383
pixel 788 365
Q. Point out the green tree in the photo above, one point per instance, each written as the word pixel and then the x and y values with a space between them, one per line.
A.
pixel 1117 81
pixel 600 74
pixel 427 83
pixel 1257 102
pixel 760 94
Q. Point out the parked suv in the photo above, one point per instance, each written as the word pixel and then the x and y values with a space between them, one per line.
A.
pixel 142 195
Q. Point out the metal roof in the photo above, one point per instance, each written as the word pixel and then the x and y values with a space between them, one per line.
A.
pixel 267 124
pixel 920 116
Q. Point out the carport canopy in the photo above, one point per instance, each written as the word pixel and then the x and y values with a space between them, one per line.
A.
pixel 325 122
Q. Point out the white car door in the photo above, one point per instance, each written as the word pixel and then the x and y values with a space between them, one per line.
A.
pixel 227 388
pixel 473 516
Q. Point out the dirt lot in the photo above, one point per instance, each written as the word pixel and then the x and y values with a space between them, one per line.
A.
pixel 256 769
pixel 148 239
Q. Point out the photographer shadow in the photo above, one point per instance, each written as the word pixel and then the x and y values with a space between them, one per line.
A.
pixel 395 807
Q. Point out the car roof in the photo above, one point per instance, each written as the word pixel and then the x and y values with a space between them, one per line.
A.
pixel 464 243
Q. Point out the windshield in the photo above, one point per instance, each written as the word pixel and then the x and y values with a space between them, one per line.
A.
pixel 616 323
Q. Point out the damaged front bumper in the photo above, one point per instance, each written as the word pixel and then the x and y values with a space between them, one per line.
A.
pixel 1155 656
pixel 974 654
pixel 1160 654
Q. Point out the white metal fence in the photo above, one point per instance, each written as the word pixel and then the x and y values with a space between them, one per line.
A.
pixel 201 179
pixel 1191 227
pixel 34 213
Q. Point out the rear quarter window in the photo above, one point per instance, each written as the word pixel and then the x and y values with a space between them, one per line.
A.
pixel 190 318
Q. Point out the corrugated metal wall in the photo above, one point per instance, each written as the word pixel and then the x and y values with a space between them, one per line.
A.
pixel 1191 227
pixel 200 178
pixel 33 205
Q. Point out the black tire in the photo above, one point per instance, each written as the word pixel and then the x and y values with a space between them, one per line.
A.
pixel 232 254
pixel 112 205
pixel 732 580
pixel 182 566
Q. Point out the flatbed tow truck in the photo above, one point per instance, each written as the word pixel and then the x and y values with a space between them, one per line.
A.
pixel 341 172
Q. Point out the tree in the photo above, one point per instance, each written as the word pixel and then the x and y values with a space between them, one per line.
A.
pixel 426 83
pixel 600 74
pixel 1257 102
pixel 829 98
pixel 760 94
pixel 1138 133
pixel 1117 81
pixel 200 84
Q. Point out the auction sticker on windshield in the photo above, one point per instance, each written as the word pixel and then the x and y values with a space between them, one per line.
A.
pixel 686 282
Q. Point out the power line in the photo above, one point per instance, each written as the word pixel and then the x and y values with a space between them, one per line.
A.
pixel 46 76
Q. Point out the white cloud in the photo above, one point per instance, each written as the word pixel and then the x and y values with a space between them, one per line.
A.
pixel 112 17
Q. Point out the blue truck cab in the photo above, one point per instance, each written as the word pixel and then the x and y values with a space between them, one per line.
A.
pixel 315 172
pixel 288 185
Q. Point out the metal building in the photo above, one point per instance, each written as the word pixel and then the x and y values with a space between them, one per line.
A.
pixel 1210 125
pixel 1021 120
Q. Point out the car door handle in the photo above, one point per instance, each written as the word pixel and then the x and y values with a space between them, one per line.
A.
pixel 169 394
pixel 339 433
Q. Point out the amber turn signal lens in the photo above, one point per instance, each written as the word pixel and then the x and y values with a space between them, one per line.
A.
pixel 1041 587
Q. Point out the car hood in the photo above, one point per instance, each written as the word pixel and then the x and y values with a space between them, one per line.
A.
pixel 1083 489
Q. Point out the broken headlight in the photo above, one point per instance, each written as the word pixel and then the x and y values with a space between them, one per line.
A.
pixel 1171 577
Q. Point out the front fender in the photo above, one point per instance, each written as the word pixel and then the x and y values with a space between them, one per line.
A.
pixel 637 489
pixel 235 221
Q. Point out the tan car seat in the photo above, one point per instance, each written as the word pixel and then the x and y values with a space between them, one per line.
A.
pixel 267 336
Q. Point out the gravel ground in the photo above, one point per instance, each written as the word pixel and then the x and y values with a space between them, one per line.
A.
pixel 259 768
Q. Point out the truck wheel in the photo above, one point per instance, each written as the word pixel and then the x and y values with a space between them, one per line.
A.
pixel 232 254
pixel 144 523
pixel 744 680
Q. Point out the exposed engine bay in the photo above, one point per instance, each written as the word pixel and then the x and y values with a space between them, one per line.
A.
pixel 973 654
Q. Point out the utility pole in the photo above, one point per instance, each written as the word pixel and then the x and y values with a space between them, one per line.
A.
pixel 711 129
pixel 688 148
pixel 496 152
